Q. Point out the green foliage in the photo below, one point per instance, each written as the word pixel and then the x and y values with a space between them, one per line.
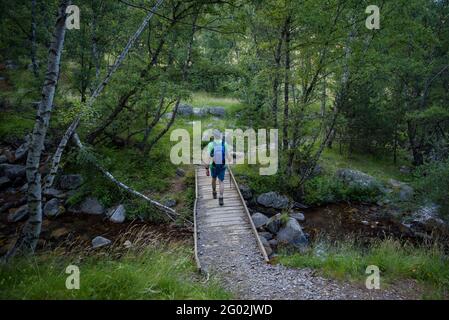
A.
pixel 167 273
pixel 346 260
pixel 432 182
pixel 328 189
pixel 14 126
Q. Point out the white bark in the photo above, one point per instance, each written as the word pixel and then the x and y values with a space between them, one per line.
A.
pixel 30 233
pixel 172 214
pixel 71 129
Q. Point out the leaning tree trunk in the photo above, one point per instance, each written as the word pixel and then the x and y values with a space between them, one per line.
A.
pixel 30 233
pixel 71 129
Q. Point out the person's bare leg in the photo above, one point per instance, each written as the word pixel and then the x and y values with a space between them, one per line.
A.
pixel 214 188
pixel 221 186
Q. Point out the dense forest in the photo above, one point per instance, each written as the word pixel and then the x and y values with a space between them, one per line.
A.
pixel 92 90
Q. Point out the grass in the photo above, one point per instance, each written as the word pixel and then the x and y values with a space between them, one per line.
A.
pixel 14 125
pixel 347 261
pixel 167 273
pixel 376 166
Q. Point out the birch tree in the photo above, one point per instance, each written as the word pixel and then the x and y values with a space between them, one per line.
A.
pixel 29 235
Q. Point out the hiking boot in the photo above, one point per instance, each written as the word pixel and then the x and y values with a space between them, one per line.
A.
pixel 214 194
pixel 220 201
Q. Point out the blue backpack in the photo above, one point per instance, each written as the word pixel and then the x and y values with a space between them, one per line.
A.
pixel 218 154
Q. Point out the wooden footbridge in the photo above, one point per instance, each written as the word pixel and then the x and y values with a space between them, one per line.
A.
pixel 223 233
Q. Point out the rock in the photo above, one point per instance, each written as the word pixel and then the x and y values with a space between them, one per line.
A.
pixel 299 216
pixel 246 192
pixel 427 218
pixel 185 110
pixel 404 191
pixel 21 151
pixel 127 244
pixel 217 111
pixel 24 188
pixel 274 223
pixel 52 208
pixel 53 193
pixel 259 219
pixel 273 200
pixel 168 115
pixel 118 214
pixel 200 112
pixel 297 205
pixel 266 245
pixel 405 170
pixel 292 234
pixel 170 203
pixel 11 65
pixel 273 243
pixel 357 179
pixel 4 182
pixel 100 241
pixel 19 214
pixel 58 233
pixel 266 235
pixel 180 172
pixel 92 206
pixel 364 222
pixel 3 159
pixel 12 171
pixel 70 181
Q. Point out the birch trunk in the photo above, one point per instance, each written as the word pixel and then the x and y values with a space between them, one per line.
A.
pixel 71 129
pixel 29 235
pixel 171 214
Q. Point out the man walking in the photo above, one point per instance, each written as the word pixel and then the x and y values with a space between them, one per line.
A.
pixel 218 154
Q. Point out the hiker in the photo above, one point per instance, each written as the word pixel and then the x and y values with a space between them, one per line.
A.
pixel 218 156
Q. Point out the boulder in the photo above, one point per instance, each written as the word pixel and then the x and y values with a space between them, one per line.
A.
pixel 100 241
pixel 200 112
pixel 70 181
pixel 266 245
pixel 403 190
pixel 246 192
pixel 299 216
pixel 59 233
pixel 12 171
pixel 53 208
pixel 357 178
pixel 185 110
pixel 19 214
pixel 118 214
pixel 427 218
pixel 53 193
pixel 292 234
pixel 273 243
pixel 259 219
pixel 21 151
pixel 3 159
pixel 4 182
pixel 180 172
pixel 170 203
pixel 92 206
pixel 274 223
pixel 266 235
pixel 405 170
pixel 217 111
pixel 273 200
